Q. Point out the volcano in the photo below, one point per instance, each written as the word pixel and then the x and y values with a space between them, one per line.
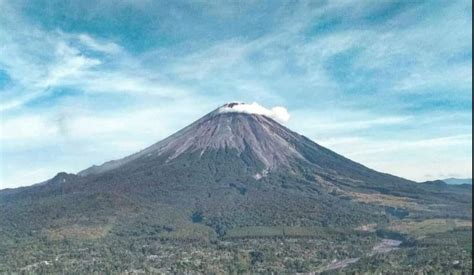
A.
pixel 231 176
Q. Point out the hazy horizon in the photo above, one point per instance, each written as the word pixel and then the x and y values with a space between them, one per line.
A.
pixel 386 84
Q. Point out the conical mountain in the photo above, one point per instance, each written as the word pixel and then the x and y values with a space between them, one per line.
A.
pixel 255 143
pixel 231 174
pixel 254 140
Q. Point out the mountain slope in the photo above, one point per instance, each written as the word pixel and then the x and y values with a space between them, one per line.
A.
pixel 228 175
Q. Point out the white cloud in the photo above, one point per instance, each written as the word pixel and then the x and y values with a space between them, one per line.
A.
pixel 277 113
pixel 20 100
pixel 70 64
pixel 100 46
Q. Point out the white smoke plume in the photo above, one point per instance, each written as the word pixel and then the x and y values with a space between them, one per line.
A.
pixel 277 113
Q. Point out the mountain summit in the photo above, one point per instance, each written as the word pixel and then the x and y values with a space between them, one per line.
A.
pixel 235 173
pixel 238 127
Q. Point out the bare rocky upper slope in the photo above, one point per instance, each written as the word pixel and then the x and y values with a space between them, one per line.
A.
pixel 273 144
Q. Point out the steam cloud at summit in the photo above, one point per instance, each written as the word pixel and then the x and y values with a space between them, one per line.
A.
pixel 277 113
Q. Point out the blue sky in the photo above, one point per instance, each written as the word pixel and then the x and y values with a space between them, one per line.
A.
pixel 385 83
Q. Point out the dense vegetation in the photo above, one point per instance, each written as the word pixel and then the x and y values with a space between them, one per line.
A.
pixel 149 252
